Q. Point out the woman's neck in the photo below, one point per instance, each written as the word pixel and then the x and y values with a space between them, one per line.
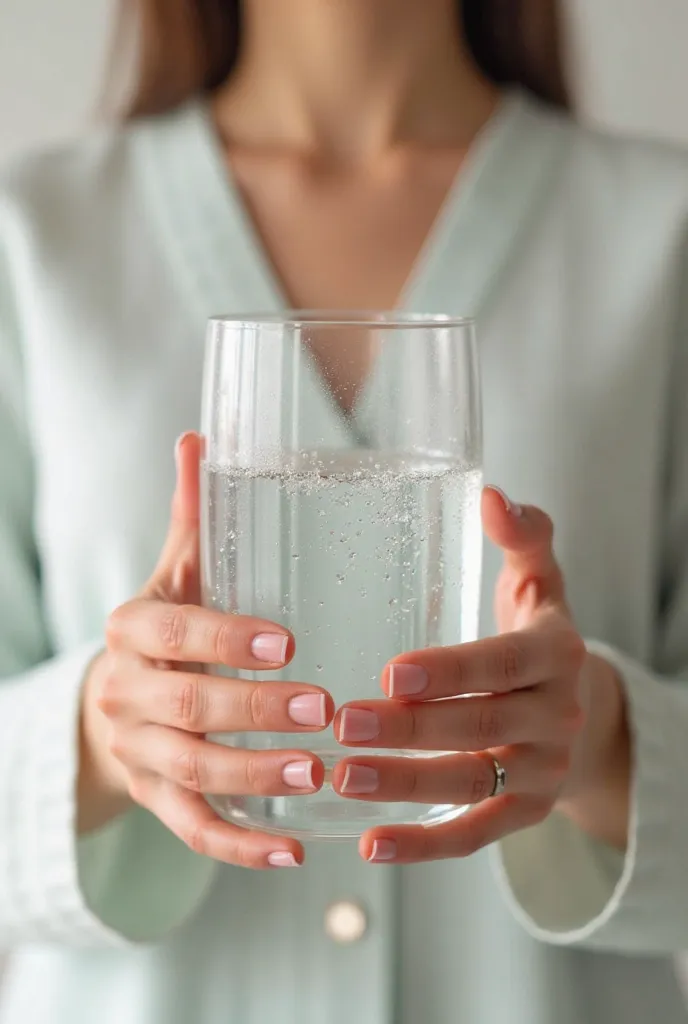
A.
pixel 351 78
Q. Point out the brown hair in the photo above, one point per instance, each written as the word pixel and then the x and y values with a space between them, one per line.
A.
pixel 191 46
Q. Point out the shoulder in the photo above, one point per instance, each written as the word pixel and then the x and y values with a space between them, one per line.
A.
pixel 631 166
pixel 616 170
pixel 53 192
pixel 615 207
pixel 100 167
pixel 67 169
pixel 77 215
pixel 91 191
pixel 77 229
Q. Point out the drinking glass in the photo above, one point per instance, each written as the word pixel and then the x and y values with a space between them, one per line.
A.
pixel 340 497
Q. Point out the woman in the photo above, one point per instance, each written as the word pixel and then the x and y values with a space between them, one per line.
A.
pixel 336 142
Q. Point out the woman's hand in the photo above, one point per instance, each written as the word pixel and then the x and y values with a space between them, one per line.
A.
pixel 531 699
pixel 148 705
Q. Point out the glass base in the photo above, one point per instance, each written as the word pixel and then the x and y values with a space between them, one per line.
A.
pixel 326 815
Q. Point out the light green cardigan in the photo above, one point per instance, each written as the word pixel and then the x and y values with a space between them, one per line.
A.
pixel 569 248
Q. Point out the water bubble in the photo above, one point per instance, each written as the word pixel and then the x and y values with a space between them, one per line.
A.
pixel 364 592
pixel 321 604
pixel 340 578
pixel 319 668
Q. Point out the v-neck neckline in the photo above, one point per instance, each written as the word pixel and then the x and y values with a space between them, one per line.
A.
pixel 222 263
pixel 227 187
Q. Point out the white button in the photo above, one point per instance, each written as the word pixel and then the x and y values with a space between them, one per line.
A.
pixel 345 922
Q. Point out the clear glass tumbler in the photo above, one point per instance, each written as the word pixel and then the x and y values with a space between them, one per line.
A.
pixel 341 489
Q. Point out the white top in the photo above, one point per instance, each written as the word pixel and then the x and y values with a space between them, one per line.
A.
pixel 569 249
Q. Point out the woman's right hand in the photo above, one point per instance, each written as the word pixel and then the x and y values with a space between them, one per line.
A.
pixel 148 704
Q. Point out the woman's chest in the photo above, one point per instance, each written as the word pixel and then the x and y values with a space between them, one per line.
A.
pixel 347 237
pixel 344 238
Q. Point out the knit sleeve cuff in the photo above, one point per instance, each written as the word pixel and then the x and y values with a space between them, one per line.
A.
pixel 53 887
pixel 567 888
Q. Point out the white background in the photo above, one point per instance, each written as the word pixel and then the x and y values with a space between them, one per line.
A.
pixel 629 57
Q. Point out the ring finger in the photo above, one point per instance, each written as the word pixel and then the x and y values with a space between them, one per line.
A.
pixel 198 765
pixel 450 778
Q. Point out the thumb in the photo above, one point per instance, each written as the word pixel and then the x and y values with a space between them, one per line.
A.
pixel 177 574
pixel 525 535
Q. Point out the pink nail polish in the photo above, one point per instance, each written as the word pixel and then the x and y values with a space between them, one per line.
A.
pixel 512 508
pixel 360 780
pixel 383 849
pixel 298 775
pixel 358 726
pixel 309 709
pixel 270 647
pixel 407 680
pixel 178 446
pixel 283 859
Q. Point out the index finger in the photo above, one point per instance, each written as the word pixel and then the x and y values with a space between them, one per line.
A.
pixel 189 633
pixel 499 664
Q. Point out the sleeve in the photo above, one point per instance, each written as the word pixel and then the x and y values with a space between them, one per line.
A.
pixel 561 884
pixel 132 881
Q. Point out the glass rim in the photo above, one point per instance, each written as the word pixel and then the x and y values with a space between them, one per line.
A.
pixel 384 320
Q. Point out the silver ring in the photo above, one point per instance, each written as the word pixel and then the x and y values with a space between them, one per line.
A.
pixel 500 778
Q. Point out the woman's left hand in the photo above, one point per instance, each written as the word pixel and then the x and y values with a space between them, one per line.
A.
pixel 521 701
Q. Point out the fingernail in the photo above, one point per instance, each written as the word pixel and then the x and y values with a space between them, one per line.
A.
pixel 357 726
pixel 270 647
pixel 383 849
pixel 283 859
pixel 298 775
pixel 178 447
pixel 512 508
pixel 407 680
pixel 359 780
pixel 309 709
